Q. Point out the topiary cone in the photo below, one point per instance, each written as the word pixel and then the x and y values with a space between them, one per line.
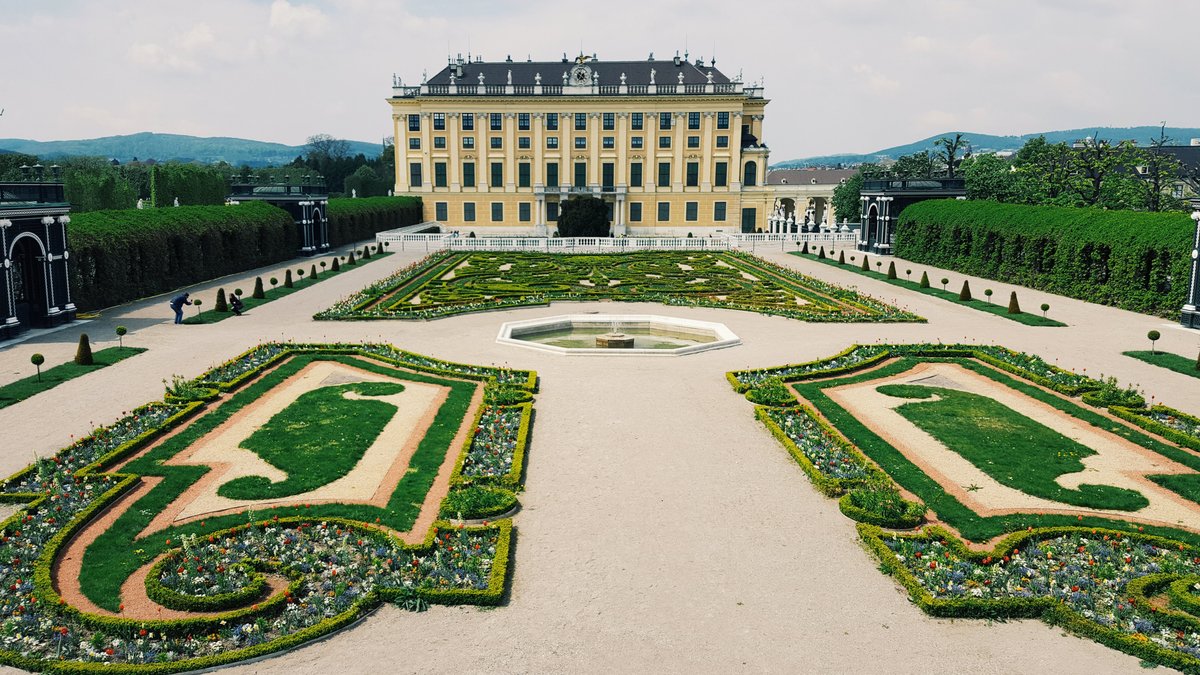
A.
pixel 965 293
pixel 350 260
pixel 83 353
pixel 1198 362
pixel 841 257
pixel 287 280
pixel 892 270
pixel 821 253
pixel 221 305
pixel 1013 306
pixel 924 279
pixel 258 289
pixel 805 248
pixel 313 272
pixel 866 265
pixel 335 266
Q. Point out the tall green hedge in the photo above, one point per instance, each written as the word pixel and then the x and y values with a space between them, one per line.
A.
pixel 1133 260
pixel 352 220
pixel 118 256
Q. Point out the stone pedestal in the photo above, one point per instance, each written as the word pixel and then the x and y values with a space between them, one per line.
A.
pixel 614 341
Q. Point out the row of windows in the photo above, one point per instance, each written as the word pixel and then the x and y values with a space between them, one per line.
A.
pixel 607 172
pixel 524 142
pixel 608 121
pixel 691 211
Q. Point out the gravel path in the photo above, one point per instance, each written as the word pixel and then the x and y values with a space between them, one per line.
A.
pixel 663 528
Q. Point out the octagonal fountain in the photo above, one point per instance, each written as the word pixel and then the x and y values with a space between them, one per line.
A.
pixel 617 335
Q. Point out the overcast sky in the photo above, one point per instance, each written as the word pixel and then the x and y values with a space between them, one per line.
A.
pixel 843 75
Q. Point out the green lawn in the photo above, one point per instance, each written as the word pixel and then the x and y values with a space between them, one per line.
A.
pixel 1008 446
pixel 22 389
pixel 1175 362
pixel 999 307
pixel 299 283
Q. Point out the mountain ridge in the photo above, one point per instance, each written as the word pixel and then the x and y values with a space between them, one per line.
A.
pixel 996 143
pixel 173 147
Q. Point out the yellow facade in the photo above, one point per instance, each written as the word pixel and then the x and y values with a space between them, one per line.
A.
pixel 669 157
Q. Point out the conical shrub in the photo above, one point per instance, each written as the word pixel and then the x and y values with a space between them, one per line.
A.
pixel 892 270
pixel 965 293
pixel 83 353
pixel 350 260
pixel 335 266
pixel 821 253
pixel 312 273
pixel 866 264
pixel 221 305
pixel 258 289
pixel 1013 306
pixel 287 280
pixel 804 249
pixel 841 257
pixel 924 279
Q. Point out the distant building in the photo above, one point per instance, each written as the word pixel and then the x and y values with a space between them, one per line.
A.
pixel 672 146
pixel 35 284
pixel 806 195
pixel 307 202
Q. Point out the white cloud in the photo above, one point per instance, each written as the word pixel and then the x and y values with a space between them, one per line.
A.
pixel 292 19
pixel 155 57
pixel 876 81
pixel 917 43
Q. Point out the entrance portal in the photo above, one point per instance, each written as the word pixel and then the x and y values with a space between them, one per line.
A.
pixel 29 281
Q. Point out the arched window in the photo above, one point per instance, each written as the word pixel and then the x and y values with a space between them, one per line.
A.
pixel 750 177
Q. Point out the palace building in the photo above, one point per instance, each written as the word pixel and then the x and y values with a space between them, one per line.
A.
pixel 673 147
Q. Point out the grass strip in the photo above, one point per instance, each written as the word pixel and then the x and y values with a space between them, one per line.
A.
pixel 984 306
pixel 1175 362
pixel 20 390
pixel 213 316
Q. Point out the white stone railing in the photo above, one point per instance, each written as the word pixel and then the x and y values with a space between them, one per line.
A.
pixel 397 241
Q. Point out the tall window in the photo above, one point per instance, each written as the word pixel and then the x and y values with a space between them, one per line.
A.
pixel 664 141
pixel 552 121
pixel 523 121
pixel 580 121
pixel 552 174
pixel 496 122
pixel 721 175
pixel 439 142
pixel 551 212
pixel 693 174
pixel 414 174
pixel 580 142
pixel 469 211
pixel 468 121
pixel 691 211
pixel 750 179
pixel 635 212
pixel 664 120
pixel 439 174
pixel 439 121
pixel 580 174
pixel 469 174
pixel 722 120
pixel 552 142
pixel 719 212
pixel 664 174
pixel 441 211
pixel 664 211
pixel 497 174
pixel 523 179
pixel 610 121
pixel 524 212
pixel 635 121
pixel 693 120
pixel 497 212
pixel 693 141
pixel 609 142
pixel 607 170
pixel 496 142
pixel 635 174
pixel 523 142
pixel 414 122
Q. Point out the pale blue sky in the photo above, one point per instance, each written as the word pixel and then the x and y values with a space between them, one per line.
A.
pixel 843 75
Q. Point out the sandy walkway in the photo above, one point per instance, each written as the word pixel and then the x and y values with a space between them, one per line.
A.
pixel 663 529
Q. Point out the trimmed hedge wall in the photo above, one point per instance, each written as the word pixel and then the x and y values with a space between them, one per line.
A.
pixel 118 256
pixel 1132 260
pixel 352 220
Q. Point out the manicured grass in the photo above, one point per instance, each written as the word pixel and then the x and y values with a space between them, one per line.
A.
pixel 298 284
pixel 316 440
pixel 22 389
pixel 998 308
pixel 117 552
pixel 477 501
pixel 1008 446
pixel 1175 362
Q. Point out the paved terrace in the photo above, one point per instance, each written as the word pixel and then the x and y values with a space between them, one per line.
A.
pixel 663 528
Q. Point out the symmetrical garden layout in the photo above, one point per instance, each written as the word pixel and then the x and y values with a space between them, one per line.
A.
pixel 1039 505
pixel 445 284
pixel 271 501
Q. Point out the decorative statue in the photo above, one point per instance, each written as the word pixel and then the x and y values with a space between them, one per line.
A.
pixel 390 193
pixel 177 201
pixel 141 204
pixel 564 78
pixel 481 79
pixel 353 193
pixel 452 79
pixel 681 77
pixel 708 76
pixel 652 71
pixel 537 79
pixel 510 78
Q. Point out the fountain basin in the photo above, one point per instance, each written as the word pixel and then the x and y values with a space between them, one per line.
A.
pixel 617 335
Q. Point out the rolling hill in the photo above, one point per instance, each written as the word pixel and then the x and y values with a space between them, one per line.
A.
pixel 166 147
pixel 992 143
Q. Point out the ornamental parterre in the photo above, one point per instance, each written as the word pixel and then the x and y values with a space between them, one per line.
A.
pixel 330 569
pixel 446 284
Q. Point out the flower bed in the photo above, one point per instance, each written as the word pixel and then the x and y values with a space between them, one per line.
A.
pixel 1167 422
pixel 447 284
pixel 1095 582
pixel 338 568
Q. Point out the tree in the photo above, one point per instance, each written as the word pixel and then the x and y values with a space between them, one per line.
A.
pixel 846 198
pixel 1159 172
pixel 121 331
pixel 990 177
pixel 1153 337
pixel 258 293
pixel 1095 162
pixel 323 147
pixel 221 305
pixel 365 182
pixel 917 165
pixel 965 293
pixel 37 360
pixel 583 216
pixel 949 150
pixel 1043 172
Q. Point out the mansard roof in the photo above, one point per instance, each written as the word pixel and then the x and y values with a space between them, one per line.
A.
pixel 636 72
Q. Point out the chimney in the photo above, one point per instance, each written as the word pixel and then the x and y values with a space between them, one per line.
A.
pixel 1195 142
